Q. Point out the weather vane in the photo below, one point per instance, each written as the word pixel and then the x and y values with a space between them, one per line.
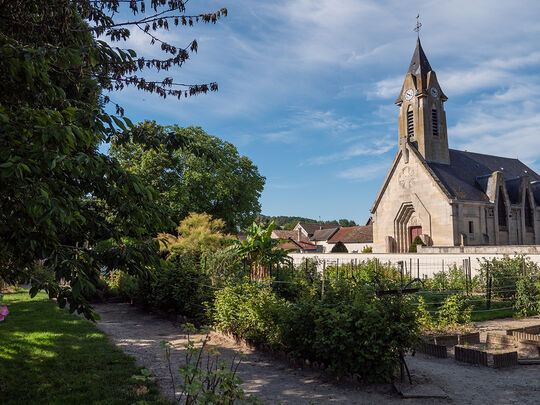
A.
pixel 418 25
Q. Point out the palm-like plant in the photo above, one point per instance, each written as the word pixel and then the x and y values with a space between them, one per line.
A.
pixel 261 250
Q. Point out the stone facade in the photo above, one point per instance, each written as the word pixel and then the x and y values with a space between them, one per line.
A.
pixel 445 196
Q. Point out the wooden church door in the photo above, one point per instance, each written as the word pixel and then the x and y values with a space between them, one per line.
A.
pixel 415 231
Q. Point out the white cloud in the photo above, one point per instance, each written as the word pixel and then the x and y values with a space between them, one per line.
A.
pixel 377 148
pixel 366 172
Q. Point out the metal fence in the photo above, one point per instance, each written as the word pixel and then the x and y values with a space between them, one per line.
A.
pixel 416 265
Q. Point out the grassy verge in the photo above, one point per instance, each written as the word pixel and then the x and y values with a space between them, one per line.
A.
pixel 48 356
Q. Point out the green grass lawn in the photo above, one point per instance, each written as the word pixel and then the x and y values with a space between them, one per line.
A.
pixel 48 356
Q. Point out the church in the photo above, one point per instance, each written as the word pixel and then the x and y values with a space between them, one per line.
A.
pixel 450 198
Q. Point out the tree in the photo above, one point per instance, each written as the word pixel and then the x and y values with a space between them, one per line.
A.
pixel 417 241
pixel 60 196
pixel 226 186
pixel 197 232
pixel 339 247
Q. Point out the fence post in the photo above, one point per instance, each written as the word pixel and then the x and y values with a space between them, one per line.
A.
pixel 418 266
pixel 488 287
pixel 306 265
pixel 400 263
pixel 323 277
pixel 351 265
pixel 524 268
pixel 465 267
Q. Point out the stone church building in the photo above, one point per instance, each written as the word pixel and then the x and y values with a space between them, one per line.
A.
pixel 449 197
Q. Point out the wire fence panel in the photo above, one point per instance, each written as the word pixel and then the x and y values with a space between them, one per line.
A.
pixel 414 265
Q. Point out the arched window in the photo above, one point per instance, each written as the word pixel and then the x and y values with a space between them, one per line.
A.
pixel 435 122
pixel 501 208
pixel 410 123
pixel 528 211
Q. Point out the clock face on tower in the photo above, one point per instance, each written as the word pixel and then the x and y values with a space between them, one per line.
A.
pixel 409 94
pixel 434 92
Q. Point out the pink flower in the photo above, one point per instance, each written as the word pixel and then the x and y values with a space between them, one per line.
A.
pixel 3 312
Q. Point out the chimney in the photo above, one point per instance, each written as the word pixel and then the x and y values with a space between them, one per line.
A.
pixel 299 234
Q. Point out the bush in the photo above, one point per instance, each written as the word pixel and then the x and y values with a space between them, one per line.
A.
pixel 527 296
pixel 454 280
pixel 339 247
pixel 251 311
pixel 350 330
pixel 367 249
pixel 454 311
pixel 506 271
pixel 180 287
pixel 416 241
pixel 223 266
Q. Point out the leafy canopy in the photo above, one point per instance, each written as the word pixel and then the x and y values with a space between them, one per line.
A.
pixel 197 232
pixel 210 176
pixel 60 195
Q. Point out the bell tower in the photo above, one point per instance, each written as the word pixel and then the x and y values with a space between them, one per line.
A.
pixel 422 119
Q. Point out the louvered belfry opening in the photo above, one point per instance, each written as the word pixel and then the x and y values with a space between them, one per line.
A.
pixel 410 124
pixel 435 122
pixel 501 208
pixel 528 212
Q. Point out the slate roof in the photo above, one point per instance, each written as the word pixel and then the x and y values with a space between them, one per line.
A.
pixel 467 175
pixel 353 234
pixel 292 244
pixel 419 62
pixel 324 234
pixel 311 228
pixel 284 234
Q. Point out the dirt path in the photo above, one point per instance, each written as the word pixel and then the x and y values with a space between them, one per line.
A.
pixel 139 334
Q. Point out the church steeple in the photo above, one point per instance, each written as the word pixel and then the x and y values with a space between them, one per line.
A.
pixel 422 119
pixel 419 62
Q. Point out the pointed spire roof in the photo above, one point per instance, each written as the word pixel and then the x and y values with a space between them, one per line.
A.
pixel 419 62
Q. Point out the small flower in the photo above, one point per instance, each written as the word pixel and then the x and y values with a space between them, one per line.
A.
pixel 3 312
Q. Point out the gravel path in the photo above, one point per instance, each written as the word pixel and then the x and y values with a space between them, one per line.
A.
pixel 139 334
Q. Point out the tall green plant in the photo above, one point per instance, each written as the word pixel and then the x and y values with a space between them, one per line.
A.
pixel 261 249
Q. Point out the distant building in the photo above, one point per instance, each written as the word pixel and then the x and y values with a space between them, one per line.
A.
pixel 296 240
pixel 449 197
pixel 355 238
pixel 309 229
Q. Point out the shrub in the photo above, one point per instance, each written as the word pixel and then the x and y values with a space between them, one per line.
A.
pixel 180 287
pixel 416 241
pixel 367 249
pixel 454 310
pixel 223 265
pixel 454 280
pixel 350 330
pixel 250 311
pixel 527 296
pixel 506 271
pixel 339 247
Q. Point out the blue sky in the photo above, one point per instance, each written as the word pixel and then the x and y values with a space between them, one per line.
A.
pixel 307 89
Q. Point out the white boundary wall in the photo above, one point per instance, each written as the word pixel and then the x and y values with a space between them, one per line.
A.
pixel 422 264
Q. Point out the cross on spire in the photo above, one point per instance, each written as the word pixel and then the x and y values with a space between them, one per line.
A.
pixel 418 25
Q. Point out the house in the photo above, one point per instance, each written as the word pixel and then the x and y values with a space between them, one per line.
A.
pixel 355 238
pixel 309 229
pixel 449 197
pixel 321 236
pixel 296 240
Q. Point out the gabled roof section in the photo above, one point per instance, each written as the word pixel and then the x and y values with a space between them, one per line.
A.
pixel 419 62
pixel 353 234
pixel 324 234
pixel 467 175
pixel 311 228
pixel 284 234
